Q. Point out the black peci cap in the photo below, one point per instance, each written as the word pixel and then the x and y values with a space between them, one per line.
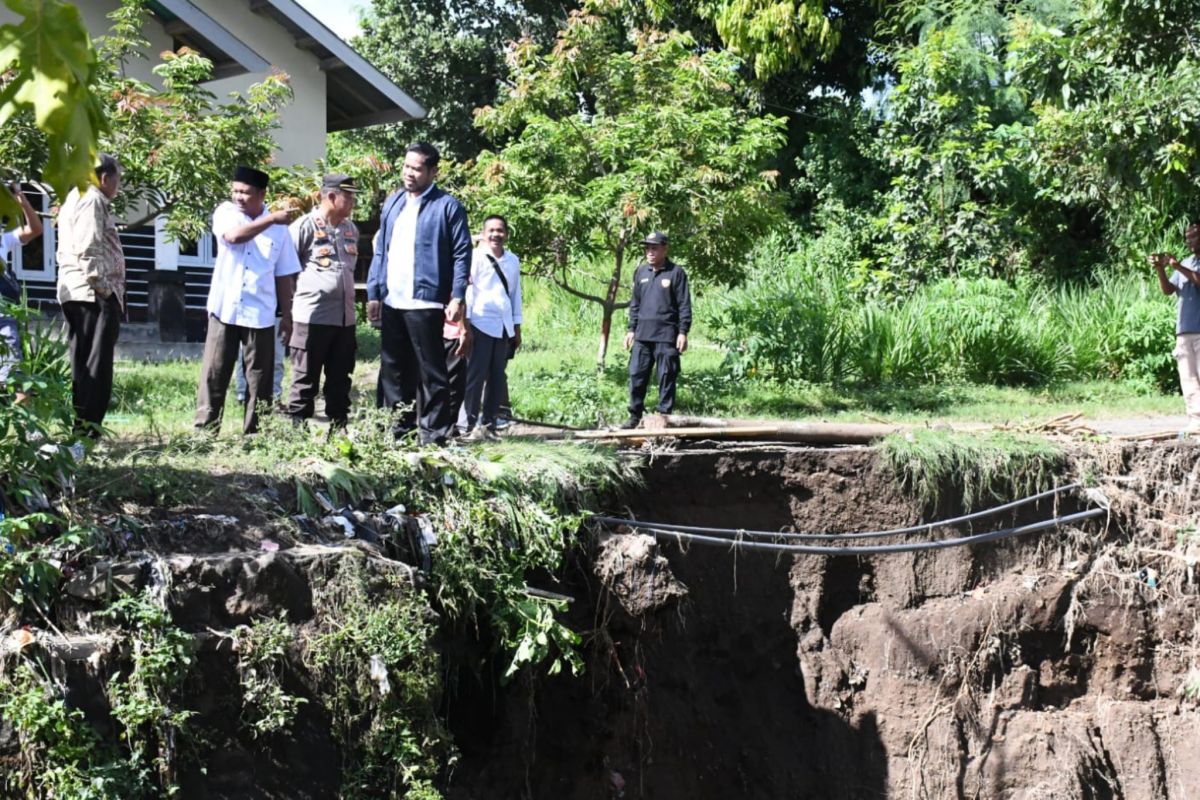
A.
pixel 251 176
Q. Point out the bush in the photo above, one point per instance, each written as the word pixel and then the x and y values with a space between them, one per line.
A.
pixel 802 319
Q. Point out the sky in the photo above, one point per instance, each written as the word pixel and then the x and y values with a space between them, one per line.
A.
pixel 340 16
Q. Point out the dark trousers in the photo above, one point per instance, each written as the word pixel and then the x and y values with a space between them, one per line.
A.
pixel 664 358
pixel 315 348
pixel 412 371
pixel 92 330
pixel 489 357
pixel 216 370
pixel 456 371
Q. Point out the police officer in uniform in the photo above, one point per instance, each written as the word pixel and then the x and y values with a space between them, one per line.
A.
pixel 323 335
pixel 660 316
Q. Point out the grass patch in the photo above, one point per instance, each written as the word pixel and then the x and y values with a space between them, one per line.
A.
pixel 980 467
pixel 554 379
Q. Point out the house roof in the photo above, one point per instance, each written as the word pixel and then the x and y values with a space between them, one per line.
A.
pixel 357 94
pixel 191 26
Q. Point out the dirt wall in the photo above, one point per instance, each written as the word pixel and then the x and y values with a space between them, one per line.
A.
pixel 1044 666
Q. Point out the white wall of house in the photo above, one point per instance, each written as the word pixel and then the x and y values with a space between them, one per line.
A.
pixel 301 137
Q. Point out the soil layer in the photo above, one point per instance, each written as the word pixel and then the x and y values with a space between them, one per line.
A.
pixel 1056 665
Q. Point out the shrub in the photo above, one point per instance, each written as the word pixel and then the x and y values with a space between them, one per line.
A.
pixel 802 319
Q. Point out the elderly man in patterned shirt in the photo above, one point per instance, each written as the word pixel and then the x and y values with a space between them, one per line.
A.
pixel 91 291
pixel 323 314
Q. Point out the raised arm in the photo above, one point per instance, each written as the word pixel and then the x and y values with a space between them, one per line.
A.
pixel 33 223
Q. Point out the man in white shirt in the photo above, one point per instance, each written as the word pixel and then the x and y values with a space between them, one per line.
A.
pixel 91 292
pixel 10 340
pixel 494 315
pixel 253 276
pixel 418 279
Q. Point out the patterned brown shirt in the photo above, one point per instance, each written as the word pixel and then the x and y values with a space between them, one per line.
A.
pixel 91 263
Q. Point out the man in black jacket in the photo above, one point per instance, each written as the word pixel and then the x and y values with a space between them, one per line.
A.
pixel 660 316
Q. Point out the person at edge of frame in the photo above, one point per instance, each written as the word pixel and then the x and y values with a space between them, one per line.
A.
pixel 660 316
pixel 10 288
pixel 417 280
pixel 252 278
pixel 1184 282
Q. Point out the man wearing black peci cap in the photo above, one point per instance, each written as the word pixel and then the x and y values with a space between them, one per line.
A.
pixel 252 278
pixel 660 316
pixel 323 313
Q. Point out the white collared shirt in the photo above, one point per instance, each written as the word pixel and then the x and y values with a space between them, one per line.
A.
pixel 489 308
pixel 401 258
pixel 9 241
pixel 243 282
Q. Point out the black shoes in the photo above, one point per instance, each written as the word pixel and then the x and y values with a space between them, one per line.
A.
pixel 631 423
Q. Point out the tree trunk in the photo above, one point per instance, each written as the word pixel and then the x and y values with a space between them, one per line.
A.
pixel 610 304
pixel 605 330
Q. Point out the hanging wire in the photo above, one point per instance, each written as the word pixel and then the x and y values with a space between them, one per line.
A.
pixel 927 527
pixel 866 550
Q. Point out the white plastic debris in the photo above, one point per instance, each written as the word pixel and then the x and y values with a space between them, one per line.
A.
pixel 222 519
pixel 427 532
pixel 379 675
pixel 347 525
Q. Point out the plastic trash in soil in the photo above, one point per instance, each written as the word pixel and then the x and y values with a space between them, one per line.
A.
pixel 379 675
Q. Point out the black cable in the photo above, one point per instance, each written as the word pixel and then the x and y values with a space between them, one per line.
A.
pixel 829 537
pixel 878 549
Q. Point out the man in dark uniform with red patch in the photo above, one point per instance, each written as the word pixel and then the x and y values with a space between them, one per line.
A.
pixel 660 316
pixel 323 336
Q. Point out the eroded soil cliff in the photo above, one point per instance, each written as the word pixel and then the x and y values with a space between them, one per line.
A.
pixel 1059 665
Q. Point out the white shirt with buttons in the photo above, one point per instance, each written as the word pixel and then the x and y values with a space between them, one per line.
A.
pixel 243 282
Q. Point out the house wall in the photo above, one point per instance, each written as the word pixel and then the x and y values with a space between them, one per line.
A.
pixel 301 137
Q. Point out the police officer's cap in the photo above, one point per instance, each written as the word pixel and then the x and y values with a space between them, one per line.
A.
pixel 658 237
pixel 340 182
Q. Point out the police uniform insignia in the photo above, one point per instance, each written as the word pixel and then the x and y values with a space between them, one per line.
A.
pixel 666 283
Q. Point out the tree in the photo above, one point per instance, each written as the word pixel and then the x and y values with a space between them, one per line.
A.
pixel 451 56
pixel 1118 116
pixel 47 68
pixel 177 145
pixel 616 135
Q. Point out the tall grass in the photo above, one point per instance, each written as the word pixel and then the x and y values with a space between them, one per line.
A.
pixel 803 319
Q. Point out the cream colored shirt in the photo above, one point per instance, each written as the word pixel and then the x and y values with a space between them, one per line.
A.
pixel 91 263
